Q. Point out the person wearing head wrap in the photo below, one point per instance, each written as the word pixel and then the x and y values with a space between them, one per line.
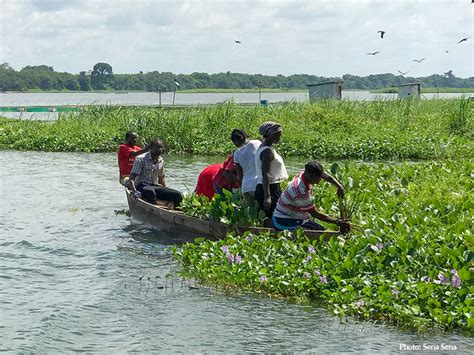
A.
pixel 270 168
pixel 268 128
pixel 295 204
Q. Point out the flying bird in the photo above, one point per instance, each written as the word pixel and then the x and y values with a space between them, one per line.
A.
pixel 403 73
pixel 381 33
pixel 419 60
pixel 238 42
pixel 463 40
pixel 446 51
pixel 373 53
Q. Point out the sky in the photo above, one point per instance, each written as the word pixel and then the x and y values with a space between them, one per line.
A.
pixel 325 38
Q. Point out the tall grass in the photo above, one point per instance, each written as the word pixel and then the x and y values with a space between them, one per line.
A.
pixel 396 129
pixel 460 117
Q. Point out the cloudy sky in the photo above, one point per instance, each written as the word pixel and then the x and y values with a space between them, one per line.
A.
pixel 327 38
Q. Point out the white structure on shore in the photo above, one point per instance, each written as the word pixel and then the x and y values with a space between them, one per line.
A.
pixel 326 90
pixel 406 91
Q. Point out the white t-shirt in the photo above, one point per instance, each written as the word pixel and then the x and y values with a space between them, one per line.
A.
pixel 245 157
pixel 277 171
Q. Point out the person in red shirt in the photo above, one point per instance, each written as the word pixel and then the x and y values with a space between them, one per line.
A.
pixel 204 183
pixel 226 177
pixel 126 155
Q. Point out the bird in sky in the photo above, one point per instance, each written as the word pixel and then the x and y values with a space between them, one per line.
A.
pixel 373 53
pixel 238 42
pixel 403 73
pixel 463 40
pixel 419 60
pixel 381 33
pixel 446 51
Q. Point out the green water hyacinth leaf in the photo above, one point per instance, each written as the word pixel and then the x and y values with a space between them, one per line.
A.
pixel 393 263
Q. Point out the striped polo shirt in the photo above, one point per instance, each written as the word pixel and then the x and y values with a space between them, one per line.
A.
pixel 295 202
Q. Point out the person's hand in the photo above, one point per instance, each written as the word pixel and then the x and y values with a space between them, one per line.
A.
pixel 267 203
pixel 136 194
pixel 340 192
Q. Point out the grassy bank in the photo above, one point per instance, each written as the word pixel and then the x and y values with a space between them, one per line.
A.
pixel 394 90
pixel 408 264
pixel 409 129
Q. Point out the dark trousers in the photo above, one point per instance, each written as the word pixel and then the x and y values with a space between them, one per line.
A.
pixel 151 193
pixel 275 193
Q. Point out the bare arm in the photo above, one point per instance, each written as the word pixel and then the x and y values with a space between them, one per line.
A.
pixel 266 156
pixel 133 176
pixel 240 172
pixel 332 180
pixel 139 152
pixel 325 218
pixel 231 176
pixel 161 180
pixel 137 165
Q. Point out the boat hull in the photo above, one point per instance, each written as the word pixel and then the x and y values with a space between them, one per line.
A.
pixel 174 221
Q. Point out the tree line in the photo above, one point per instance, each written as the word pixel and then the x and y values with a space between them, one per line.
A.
pixel 101 77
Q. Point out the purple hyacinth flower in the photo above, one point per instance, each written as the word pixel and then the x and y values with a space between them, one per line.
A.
pixel 443 279
pixel 379 246
pixel 263 278
pixel 248 238
pixel 456 280
pixel 230 257
pixel 238 259
pixel 311 250
pixel 308 258
pixel 360 303
pixel 317 272
pixel 225 249
pixel 323 279
pixel 395 293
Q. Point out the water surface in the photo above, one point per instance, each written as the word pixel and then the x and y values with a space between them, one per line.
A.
pixel 71 267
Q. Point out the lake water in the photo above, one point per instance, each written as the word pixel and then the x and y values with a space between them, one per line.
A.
pixel 149 98
pixel 70 276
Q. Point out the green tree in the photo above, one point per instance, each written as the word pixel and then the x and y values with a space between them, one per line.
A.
pixel 84 81
pixel 101 76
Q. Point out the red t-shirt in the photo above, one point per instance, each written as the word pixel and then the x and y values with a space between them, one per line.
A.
pixel 125 159
pixel 204 183
pixel 223 182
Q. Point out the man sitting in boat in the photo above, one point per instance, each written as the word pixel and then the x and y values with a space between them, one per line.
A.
pixel 126 156
pixel 295 204
pixel 147 179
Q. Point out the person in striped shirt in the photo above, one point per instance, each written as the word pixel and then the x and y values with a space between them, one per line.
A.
pixel 295 204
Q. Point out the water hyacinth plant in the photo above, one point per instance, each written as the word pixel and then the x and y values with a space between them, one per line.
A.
pixel 227 208
pixel 409 265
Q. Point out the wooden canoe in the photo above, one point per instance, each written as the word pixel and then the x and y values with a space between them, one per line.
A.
pixel 176 221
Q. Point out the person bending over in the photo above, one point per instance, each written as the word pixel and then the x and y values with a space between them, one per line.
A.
pixel 295 204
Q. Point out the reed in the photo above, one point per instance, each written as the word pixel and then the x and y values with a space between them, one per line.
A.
pixel 384 129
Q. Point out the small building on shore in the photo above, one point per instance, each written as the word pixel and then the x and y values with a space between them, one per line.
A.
pixel 326 90
pixel 406 91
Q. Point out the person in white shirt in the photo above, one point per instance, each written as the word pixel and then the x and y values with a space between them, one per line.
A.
pixel 244 159
pixel 271 170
